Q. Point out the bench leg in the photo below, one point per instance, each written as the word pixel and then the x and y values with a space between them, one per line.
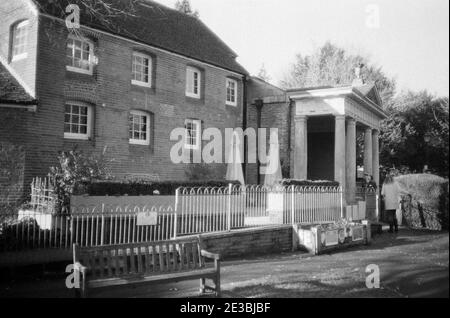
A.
pixel 217 285
pixel 202 286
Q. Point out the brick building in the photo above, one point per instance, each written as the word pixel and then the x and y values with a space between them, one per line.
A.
pixel 120 84
pixel 117 86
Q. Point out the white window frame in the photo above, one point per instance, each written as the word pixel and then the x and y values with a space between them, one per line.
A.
pixel 91 55
pixel 190 71
pixel 198 124
pixel 22 26
pixel 150 70
pixel 229 102
pixel 145 142
pixel 79 136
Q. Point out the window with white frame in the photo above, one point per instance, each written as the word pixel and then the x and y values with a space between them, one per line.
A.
pixel 77 121
pixel 193 82
pixel 142 70
pixel 139 128
pixel 19 40
pixel 231 92
pixel 193 133
pixel 80 55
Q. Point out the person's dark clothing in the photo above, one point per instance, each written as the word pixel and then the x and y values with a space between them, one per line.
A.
pixel 392 220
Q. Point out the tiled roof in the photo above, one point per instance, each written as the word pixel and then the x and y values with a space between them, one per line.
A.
pixel 154 24
pixel 11 92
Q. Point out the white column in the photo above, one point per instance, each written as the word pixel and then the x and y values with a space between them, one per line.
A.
pixel 301 148
pixel 376 156
pixel 350 160
pixel 339 151
pixel 368 151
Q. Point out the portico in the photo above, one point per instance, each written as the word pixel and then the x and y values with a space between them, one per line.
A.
pixel 326 123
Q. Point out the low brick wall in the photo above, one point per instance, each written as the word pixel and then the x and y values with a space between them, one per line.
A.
pixel 246 242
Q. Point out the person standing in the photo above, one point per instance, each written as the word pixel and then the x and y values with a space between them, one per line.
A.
pixel 391 193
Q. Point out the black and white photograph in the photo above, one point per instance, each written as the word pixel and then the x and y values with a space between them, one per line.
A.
pixel 224 153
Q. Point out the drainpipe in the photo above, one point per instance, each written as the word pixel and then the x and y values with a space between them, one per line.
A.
pixel 259 103
pixel 244 126
pixel 291 105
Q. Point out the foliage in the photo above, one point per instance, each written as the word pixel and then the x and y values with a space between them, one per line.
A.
pixel 145 187
pixel 185 7
pixel 428 194
pixel 309 183
pixel 331 65
pixel 414 117
pixel 76 167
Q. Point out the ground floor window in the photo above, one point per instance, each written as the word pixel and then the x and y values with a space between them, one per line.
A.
pixel 193 133
pixel 139 124
pixel 77 120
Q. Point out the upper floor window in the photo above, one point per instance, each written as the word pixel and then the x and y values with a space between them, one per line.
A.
pixel 139 128
pixel 142 70
pixel 77 121
pixel 231 92
pixel 80 55
pixel 19 40
pixel 193 133
pixel 193 81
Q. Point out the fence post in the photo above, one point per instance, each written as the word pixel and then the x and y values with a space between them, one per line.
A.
pixel 292 205
pixel 103 225
pixel 230 187
pixel 175 222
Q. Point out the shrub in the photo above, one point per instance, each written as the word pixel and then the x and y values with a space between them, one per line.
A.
pixel 75 167
pixel 309 183
pixel 137 188
pixel 429 200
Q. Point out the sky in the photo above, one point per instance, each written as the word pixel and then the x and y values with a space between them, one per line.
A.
pixel 409 39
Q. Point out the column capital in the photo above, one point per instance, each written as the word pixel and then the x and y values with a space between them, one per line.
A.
pixel 300 118
pixel 339 117
pixel 375 131
pixel 351 121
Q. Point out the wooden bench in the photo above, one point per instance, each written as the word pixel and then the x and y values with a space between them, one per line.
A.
pixel 139 263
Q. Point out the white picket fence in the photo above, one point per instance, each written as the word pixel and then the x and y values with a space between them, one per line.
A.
pixel 194 211
pixel 202 210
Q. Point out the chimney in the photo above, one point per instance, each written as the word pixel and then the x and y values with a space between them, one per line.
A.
pixel 358 81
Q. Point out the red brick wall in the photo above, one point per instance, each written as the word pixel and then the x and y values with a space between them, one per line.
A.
pixel 274 114
pixel 112 95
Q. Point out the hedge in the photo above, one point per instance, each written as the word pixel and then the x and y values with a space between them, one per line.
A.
pixel 309 183
pixel 137 188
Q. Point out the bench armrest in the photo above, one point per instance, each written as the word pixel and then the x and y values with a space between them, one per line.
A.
pixel 213 256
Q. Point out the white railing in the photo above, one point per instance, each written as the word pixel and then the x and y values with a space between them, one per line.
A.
pixel 201 210
pixel 93 221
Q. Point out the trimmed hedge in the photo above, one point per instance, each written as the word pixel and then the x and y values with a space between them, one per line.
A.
pixel 429 200
pixel 137 188
pixel 309 183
